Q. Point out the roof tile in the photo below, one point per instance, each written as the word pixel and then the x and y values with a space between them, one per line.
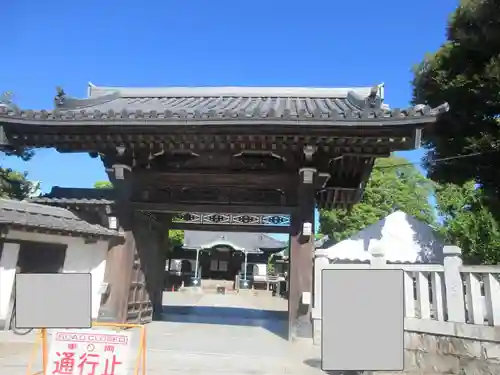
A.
pixel 69 196
pixel 248 241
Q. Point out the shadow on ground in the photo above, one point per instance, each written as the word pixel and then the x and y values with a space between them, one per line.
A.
pixel 316 363
pixel 273 321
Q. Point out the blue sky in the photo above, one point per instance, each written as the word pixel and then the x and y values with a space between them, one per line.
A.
pixel 195 42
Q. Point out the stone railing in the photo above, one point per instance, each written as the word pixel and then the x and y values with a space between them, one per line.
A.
pixel 448 292
pixel 452 311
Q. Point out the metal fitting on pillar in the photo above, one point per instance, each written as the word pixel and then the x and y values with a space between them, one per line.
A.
pixel 307 175
pixel 112 222
pixel 119 170
pixel 120 150
pixel 309 152
pixel 307 229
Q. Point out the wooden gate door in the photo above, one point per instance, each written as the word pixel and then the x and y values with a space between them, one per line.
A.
pixel 140 306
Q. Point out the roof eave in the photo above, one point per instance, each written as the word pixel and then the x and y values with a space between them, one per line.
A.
pixel 70 202
pixel 64 232
pixel 255 123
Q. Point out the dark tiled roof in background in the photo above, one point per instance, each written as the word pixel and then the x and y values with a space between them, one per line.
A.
pixel 248 241
pixel 69 196
pixel 37 216
pixel 226 103
pixel 322 242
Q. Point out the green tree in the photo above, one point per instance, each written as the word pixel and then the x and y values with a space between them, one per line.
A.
pixel 468 223
pixel 103 185
pixel 394 185
pixel 13 184
pixel 175 236
pixel 465 72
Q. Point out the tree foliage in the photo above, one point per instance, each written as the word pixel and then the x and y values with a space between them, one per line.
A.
pixel 468 223
pixel 15 185
pixel 465 72
pixel 394 185
pixel 465 219
pixel 176 237
pixel 103 185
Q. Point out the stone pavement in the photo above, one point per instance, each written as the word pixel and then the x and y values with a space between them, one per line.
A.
pixel 206 334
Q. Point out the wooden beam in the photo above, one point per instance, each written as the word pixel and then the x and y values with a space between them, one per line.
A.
pixel 232 228
pixel 215 208
pixel 195 178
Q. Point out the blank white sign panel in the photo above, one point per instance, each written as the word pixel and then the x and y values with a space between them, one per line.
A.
pixel 362 320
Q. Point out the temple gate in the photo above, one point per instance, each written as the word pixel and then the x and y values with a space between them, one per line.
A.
pixel 221 158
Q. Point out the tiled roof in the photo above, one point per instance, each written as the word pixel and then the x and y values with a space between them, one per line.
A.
pixel 319 243
pixel 212 104
pixel 41 217
pixel 248 241
pixel 68 196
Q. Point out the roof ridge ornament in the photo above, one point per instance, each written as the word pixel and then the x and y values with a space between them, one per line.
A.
pixel 60 98
pixel 90 86
pixel 373 92
pixel 372 101
pixel 7 102
pixel 381 90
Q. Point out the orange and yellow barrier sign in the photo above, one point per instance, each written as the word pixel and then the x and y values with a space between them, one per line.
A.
pixel 106 349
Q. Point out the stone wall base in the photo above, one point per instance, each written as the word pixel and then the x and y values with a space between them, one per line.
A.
pixel 428 354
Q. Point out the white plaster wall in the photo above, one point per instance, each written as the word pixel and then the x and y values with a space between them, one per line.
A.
pixel 8 263
pixel 83 258
pixel 80 258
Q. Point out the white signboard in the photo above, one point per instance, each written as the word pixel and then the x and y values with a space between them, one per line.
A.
pixel 90 352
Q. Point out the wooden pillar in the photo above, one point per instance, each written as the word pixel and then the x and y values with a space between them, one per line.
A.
pixel 120 260
pixel 301 259
pixel 159 266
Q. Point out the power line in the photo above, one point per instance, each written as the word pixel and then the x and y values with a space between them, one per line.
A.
pixel 436 160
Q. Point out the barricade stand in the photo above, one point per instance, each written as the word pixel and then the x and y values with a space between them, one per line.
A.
pixel 140 363
pixel 36 346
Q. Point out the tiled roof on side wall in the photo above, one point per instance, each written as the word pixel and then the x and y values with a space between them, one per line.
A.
pixel 53 219
pixel 69 196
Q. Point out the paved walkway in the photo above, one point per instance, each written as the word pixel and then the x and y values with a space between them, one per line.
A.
pixel 207 334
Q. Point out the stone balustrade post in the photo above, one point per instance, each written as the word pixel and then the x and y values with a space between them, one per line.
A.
pixel 378 258
pixel 492 298
pixel 321 261
pixel 454 288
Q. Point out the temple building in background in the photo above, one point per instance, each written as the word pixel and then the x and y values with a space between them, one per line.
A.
pixel 223 255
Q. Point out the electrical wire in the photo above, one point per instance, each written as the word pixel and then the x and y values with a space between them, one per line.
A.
pixel 439 160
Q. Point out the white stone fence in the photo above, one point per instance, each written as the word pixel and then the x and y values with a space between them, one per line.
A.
pixel 448 292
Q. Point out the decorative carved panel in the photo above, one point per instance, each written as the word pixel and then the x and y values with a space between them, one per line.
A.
pixel 231 219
